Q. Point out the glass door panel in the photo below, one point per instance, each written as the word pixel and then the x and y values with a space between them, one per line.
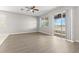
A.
pixel 60 25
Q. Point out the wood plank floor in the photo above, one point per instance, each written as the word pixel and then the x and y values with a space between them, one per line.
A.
pixel 37 43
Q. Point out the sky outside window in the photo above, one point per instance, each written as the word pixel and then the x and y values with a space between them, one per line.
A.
pixel 58 21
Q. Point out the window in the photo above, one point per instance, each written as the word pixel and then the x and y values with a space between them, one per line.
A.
pixel 44 22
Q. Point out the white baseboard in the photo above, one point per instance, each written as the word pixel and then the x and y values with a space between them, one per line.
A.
pixel 22 32
pixel 76 41
pixel 3 37
pixel 70 40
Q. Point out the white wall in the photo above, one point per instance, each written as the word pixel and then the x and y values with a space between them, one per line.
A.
pixel 12 23
pixel 16 23
pixel 76 24
pixel 22 24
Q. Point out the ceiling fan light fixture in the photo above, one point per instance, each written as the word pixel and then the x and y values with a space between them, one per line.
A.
pixel 30 8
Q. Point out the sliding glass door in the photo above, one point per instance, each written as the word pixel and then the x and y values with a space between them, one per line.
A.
pixel 60 25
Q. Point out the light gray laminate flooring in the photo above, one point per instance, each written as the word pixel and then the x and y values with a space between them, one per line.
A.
pixel 37 43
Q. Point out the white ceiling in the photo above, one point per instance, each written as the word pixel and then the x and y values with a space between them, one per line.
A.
pixel 17 9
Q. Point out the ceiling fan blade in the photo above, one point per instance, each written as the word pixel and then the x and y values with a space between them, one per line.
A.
pixel 33 7
pixel 36 9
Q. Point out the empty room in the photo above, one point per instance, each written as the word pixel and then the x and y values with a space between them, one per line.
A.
pixel 39 29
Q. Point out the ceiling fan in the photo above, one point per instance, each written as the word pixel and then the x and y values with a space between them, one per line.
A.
pixel 32 9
